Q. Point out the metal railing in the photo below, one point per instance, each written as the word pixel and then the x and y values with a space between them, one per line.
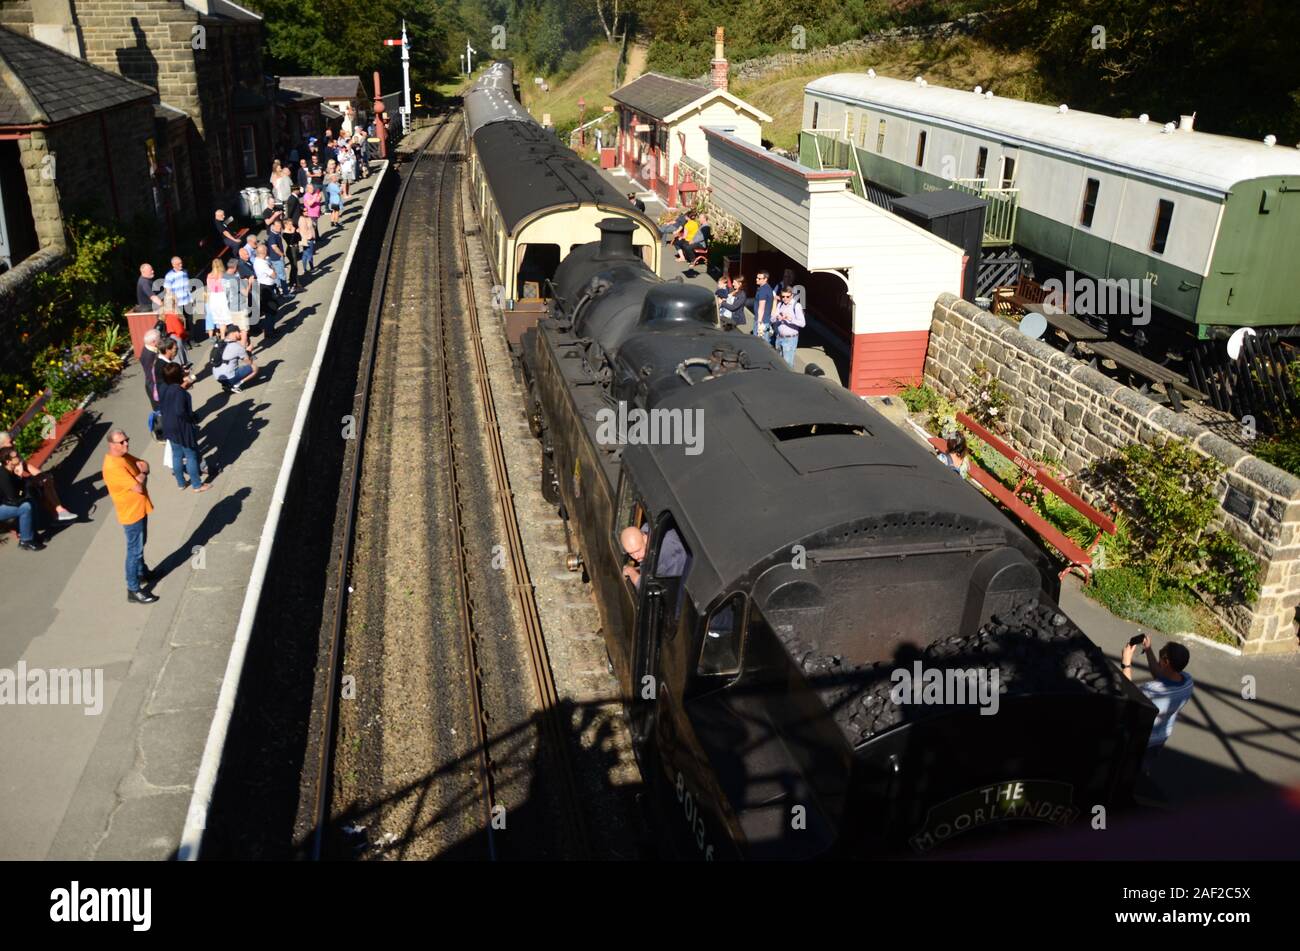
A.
pixel 1000 217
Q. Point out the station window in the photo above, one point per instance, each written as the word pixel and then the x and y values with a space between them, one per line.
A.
pixel 1164 215
pixel 920 149
pixel 720 652
pixel 880 137
pixel 1089 202
pixel 1008 171
pixel 248 150
pixel 816 107
pixel 981 162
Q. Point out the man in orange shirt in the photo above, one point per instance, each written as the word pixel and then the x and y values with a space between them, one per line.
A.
pixel 125 476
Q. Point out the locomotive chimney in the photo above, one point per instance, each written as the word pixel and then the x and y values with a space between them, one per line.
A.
pixel 616 239
pixel 719 64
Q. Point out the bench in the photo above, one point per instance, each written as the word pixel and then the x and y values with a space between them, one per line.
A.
pixel 1077 557
pixel 206 243
pixel 1029 295
pixel 62 427
pixel 1176 385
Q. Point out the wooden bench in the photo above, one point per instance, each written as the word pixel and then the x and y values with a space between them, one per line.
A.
pixel 206 243
pixel 1077 557
pixel 1029 295
pixel 1176 385
pixel 62 427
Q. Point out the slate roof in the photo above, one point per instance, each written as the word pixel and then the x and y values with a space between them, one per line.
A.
pixel 294 97
pixel 224 8
pixel 327 87
pixel 41 86
pixel 656 95
pixel 166 113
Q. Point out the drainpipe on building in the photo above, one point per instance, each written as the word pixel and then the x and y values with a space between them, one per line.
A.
pixel 108 165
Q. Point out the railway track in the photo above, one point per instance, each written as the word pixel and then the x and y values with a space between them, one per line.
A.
pixel 449 739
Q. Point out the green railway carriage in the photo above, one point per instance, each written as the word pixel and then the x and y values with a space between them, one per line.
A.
pixel 1212 221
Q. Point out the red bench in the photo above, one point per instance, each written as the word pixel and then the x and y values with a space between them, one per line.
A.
pixel 62 426
pixel 225 248
pixel 1077 557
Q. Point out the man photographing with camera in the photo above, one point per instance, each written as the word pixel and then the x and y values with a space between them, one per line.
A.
pixel 1170 690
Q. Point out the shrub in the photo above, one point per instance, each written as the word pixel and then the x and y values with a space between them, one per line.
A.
pixel 1168 492
pixel 988 399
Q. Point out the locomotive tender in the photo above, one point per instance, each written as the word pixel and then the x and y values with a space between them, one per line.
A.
pixel 1209 220
pixel 800 555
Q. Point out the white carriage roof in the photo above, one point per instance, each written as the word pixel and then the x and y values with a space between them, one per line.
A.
pixel 1198 159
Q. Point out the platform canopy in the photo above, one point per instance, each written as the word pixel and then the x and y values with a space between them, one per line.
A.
pixel 893 270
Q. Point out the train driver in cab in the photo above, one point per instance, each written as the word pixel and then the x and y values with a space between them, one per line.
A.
pixel 672 554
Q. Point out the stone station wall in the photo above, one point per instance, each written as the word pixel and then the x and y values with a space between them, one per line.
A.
pixel 1064 407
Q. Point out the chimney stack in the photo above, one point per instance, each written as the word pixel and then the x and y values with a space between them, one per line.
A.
pixel 719 64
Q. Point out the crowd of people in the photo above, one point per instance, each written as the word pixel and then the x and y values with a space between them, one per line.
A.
pixel 778 311
pixel 243 291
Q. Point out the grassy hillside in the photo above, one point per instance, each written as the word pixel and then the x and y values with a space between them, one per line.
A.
pixel 593 81
pixel 963 63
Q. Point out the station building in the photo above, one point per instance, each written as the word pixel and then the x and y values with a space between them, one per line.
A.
pixel 661 120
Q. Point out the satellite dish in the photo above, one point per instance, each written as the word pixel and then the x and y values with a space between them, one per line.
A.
pixel 1238 340
pixel 1033 325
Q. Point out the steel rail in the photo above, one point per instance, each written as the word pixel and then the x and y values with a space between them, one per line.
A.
pixel 554 730
pixel 325 761
pixel 445 257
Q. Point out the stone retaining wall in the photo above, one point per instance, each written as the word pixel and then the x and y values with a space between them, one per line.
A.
pixel 1064 407
pixel 763 66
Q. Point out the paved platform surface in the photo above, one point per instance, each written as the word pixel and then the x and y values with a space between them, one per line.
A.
pixel 117 784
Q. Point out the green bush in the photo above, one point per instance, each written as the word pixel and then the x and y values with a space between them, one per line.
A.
pixel 1169 495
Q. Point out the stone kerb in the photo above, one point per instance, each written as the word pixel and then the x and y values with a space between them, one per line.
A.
pixel 1064 407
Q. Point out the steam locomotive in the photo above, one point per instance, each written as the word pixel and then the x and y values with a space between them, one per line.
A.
pixel 809 574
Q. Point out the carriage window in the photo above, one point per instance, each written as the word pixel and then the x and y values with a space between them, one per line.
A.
pixel 1164 215
pixel 720 653
pixel 816 106
pixel 1008 171
pixel 537 266
pixel 1089 202
pixel 920 149
pixel 880 137
pixel 981 162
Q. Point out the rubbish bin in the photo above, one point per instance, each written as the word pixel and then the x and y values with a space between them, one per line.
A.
pixel 263 199
pixel 246 203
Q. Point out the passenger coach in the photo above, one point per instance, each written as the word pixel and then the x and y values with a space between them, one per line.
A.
pixel 1212 221
pixel 536 199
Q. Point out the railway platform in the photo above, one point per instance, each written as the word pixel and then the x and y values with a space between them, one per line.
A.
pixel 112 778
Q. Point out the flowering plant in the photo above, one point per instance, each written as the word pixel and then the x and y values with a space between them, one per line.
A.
pixel 988 400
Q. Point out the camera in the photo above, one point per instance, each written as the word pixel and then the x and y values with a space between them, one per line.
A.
pixel 1136 640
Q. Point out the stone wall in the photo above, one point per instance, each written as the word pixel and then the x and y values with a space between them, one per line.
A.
pixel 1064 407
pixel 763 66
pixel 41 175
